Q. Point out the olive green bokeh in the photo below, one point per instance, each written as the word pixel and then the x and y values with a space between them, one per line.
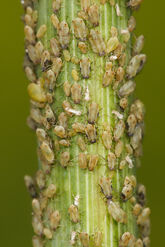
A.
pixel 18 144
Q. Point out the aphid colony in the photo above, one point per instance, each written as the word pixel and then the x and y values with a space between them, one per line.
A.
pixel 118 75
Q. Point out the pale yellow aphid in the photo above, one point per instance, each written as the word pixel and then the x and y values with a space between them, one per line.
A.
pixel 83 15
pixel 122 164
pixel 78 127
pixel 106 186
pixel 111 161
pixel 131 122
pixel 82 160
pixel 67 88
pixel 63 120
pixel 36 93
pixel 55 47
pixel 41 31
pixel 97 42
pixel 55 220
pixel 139 243
pixel 31 51
pixel 108 77
pixel 83 47
pixel 146 242
pixel 120 74
pixel 30 74
pixel 74 213
pixel 75 60
pixel 35 16
pixel 85 4
pixel 37 225
pixel 56 5
pixel 64 143
pixel 129 149
pixel 117 212
pixel 39 48
pixel 85 67
pixel 93 160
pixel 47 152
pixel 138 46
pixel 30 185
pixel 112 44
pixel 29 34
pixel 29 10
pixel 126 89
pixel 93 15
pixel 135 65
pixel 37 242
pixel 60 131
pixel 64 34
pixel 137 209
pixel 75 75
pixel 41 134
pixel 84 238
pixel 55 21
pixel 127 239
pixel 80 30
pixel 137 137
pixel 67 108
pixel 143 216
pixel 76 93
pixel 66 54
pixel 81 143
pixel 123 103
pixel 137 108
pixel 125 35
pixel 93 112
pixel 119 130
pixel 47 232
pixel 117 114
pixel 65 158
pixel 107 139
pixel 50 191
pixel 49 118
pixel 56 65
pixel 119 148
pixel 90 131
pixel 98 237
pixel 134 4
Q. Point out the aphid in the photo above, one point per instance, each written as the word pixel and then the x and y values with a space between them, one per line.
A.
pixel 66 54
pixel 45 60
pixel 108 78
pixel 118 12
pixel 55 47
pixel 37 225
pixel 139 243
pixel 50 191
pixel 131 122
pixel 35 16
pixel 135 65
pixel 129 149
pixel 37 241
pixel 60 131
pixel 29 10
pixel 146 242
pixel 87 95
pixel 82 160
pixel 76 200
pixel 128 188
pixel 116 212
pixel 49 118
pixel 134 4
pixel 137 209
pixel 97 42
pixel 74 213
pixel 73 238
pixel 47 152
pixel 143 216
pixel 127 240
pixel 83 15
pixel 141 194
pixel 81 143
pixel 117 114
pixel 131 23
pixel 123 103
pixel 67 88
pixel 132 200
pixel 29 183
pixel 85 4
pixel 35 114
pixel 119 130
pixel 29 34
pixel 84 238
pixel 138 46
pixel 80 30
pixel 120 74
pixel 122 164
pixel 93 112
pixel 56 65
pixel 31 51
pixel 64 158
pixel 50 80
pixel 47 232
pixel 75 60
pixel 93 15
pixel 119 148
pixel 30 74
pixel 39 48
pixel 137 108
pixel 83 47
pixel 78 127
pixel 85 67
pixel 55 21
pixel 98 236
pixel 103 1
pixel 90 131
pixel 106 186
pixel 111 161
pixel 122 59
pixel 36 207
pixel 63 120
pixel 56 5
pixel 55 220
pixel 112 44
pixel 72 111
pixel 64 143
pixel 28 20
pixel 126 89
pixel 93 160
pixel 107 139
pixel 137 137
pixel 125 35
pixel 76 93
pixel 67 107
pixel 75 75
pixel 41 31
pixel 64 34
pixel 40 179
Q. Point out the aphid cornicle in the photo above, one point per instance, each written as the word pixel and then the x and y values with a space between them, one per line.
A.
pixel 119 148
pixel 119 130
pixel 85 67
pixel 40 179
pixel 76 93
pixel 56 5
pixel 64 34
pixel 97 42
pixel 55 47
pixel 127 240
pixel 93 112
pixel 80 30
pixel 60 131
pixel 64 158
pixel 36 207
pixel 93 160
pixel 50 191
pixel 29 34
pixel 83 47
pixel 131 23
pixel 135 65
pixel 41 31
pixel 98 237
pixel 138 46
pixel 116 212
pixel 55 21
pixel 63 120
pixel 82 160
pixel 55 220
pixel 81 143
pixel 136 139
pixel 137 209
pixel 47 232
pixel 74 213
pixel 78 127
pixel 106 186
pixel 93 15
pixel 37 242
pixel 126 89
pixel 37 225
pixel 85 4
pixel 91 133
pixel 30 185
pixel 47 152
pixel 107 139
pixel 111 161
pixel 84 238
pixel 30 74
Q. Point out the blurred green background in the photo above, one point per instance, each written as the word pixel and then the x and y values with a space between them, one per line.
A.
pixel 18 144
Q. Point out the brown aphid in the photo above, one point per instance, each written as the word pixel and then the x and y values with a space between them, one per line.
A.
pixel 119 148
pixel 107 139
pixel 126 89
pixel 137 209
pixel 119 130
pixel 64 143
pixel 40 179
pixel 111 158
pixel 116 212
pixel 29 34
pixel 135 65
pixel 84 238
pixel 120 74
pixel 85 67
pixel 137 108
pixel 47 232
pixel 131 123
pixel 64 158
pixel 141 194
pixel 138 46
pixel 82 160
pixel 56 65
pixel 37 225
pixel 139 243
pixel 93 15
pixel 45 60
pixel 75 75
pixel 37 242
pixel 50 80
pixel 64 34
pixel 106 186
pixel 93 112
pixel 98 237
pixel 55 220
pixel 47 152
pixel 30 185
pixel 85 4
pixel 50 191
pixel 78 127
pixel 31 51
pixel 136 138
pixel 67 88
pixel 146 242
pixel 41 31
pixel 81 143
pixel 134 4
pixel 112 44
pixel 83 47
pixel 143 216
pixel 63 120
pixel 60 131
pixel 56 5
pixel 93 160
pixel 75 60
pixel 55 21
pixel 76 93
pixel 73 238
pixel 30 74
pixel 36 207
pixel 55 47
pixel 80 30
pixel 127 240
pixel 91 133
pixel 123 103
pixel 108 78
pixel 97 42
pixel 131 23
pixel 74 213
